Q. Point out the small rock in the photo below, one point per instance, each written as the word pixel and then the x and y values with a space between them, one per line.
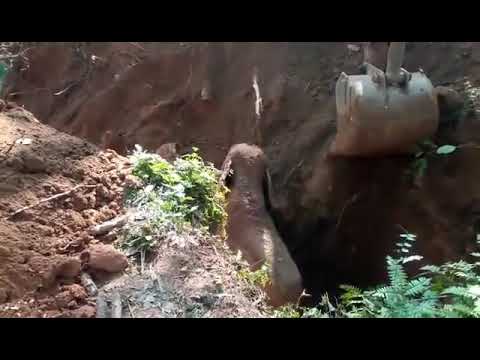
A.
pixel 63 299
pixel 72 304
pixel 76 221
pixel 78 174
pixel 77 291
pixel 33 164
pixel 106 258
pixel 102 191
pixel 45 230
pixel 80 202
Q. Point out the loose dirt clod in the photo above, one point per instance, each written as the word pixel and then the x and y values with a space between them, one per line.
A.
pixel 69 268
pixel 106 258
pixel 33 163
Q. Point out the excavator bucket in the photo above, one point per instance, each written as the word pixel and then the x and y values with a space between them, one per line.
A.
pixel 384 113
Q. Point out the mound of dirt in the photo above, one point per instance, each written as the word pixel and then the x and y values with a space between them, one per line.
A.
pixel 194 277
pixel 53 189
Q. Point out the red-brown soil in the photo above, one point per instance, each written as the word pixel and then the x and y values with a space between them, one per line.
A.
pixel 40 247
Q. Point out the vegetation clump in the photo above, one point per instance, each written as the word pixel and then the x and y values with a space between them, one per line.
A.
pixel 451 290
pixel 174 198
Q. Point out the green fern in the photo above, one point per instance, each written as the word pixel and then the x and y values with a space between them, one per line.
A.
pixel 450 290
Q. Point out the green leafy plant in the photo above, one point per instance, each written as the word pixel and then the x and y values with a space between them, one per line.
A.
pixel 426 150
pixel 287 311
pixel 449 290
pixel 173 199
pixel 260 277
pixel 458 283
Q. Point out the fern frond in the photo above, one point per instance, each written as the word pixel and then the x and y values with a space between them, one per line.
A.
pixel 396 273
pixel 458 291
pixel 417 286
pixel 431 268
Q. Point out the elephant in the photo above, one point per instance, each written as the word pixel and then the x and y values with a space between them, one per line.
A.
pixel 250 228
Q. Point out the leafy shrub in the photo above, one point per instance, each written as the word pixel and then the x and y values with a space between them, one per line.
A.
pixel 259 277
pixel 175 198
pixel 426 150
pixel 451 290
pixel 287 311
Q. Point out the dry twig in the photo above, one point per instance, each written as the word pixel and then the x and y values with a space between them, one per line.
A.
pixel 54 197
pixel 116 305
pixel 88 284
pixel 107 226
pixel 101 307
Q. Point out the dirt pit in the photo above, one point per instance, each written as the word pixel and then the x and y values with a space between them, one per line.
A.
pixel 339 218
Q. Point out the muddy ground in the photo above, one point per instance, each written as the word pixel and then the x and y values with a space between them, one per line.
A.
pixel 339 217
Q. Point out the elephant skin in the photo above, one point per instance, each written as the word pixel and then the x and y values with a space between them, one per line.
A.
pixel 250 227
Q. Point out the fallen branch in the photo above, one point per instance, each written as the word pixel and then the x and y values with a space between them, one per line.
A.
pixel 88 284
pixel 116 305
pixel 258 109
pixel 108 226
pixel 101 307
pixel 258 98
pixel 132 314
pixel 54 197
pixel 66 89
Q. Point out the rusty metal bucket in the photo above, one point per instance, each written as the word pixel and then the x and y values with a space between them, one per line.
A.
pixel 384 113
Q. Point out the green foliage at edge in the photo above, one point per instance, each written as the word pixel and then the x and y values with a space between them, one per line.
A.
pixel 174 197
